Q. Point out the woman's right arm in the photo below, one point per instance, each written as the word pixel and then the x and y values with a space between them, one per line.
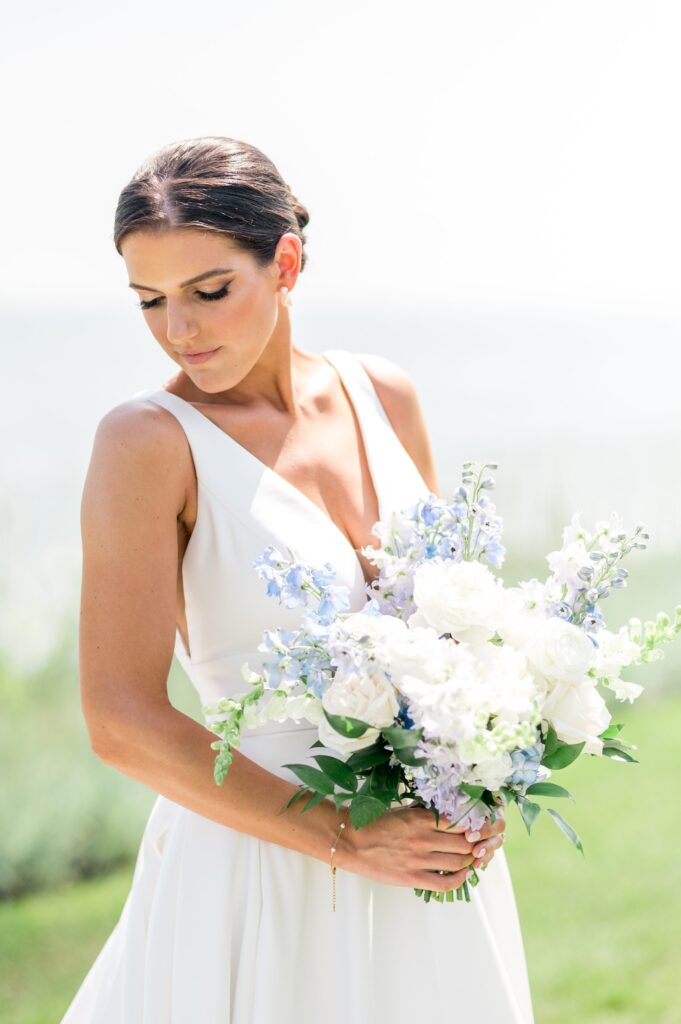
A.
pixel 134 494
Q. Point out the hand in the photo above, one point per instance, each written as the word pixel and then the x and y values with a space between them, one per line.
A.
pixel 405 847
pixel 487 841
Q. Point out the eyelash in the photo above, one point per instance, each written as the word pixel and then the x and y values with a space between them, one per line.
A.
pixel 206 296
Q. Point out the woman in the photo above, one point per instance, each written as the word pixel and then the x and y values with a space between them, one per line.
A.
pixel 254 441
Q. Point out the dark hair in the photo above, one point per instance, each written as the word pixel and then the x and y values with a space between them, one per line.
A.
pixel 217 184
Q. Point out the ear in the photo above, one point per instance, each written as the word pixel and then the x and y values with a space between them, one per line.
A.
pixel 287 258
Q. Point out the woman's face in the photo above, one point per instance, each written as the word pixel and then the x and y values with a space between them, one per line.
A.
pixel 233 311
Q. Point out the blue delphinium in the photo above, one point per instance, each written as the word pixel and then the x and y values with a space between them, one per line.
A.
pixel 527 767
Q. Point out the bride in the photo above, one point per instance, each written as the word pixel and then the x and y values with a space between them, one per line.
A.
pixel 252 441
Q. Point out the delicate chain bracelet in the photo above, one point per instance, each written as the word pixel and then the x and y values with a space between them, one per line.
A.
pixel 333 866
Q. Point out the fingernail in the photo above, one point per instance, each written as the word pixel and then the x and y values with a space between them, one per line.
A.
pixel 481 852
pixel 468 875
pixel 473 837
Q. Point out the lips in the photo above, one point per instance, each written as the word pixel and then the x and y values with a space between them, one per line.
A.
pixel 199 357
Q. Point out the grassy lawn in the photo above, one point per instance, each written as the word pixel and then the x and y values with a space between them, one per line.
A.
pixel 601 933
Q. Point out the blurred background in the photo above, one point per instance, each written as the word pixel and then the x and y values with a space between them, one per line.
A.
pixel 494 202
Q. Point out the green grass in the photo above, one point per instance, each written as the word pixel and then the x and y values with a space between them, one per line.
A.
pixel 600 931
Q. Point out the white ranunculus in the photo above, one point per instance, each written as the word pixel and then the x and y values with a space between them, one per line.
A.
pixel 370 698
pixel 461 598
pixel 578 713
pixel 559 650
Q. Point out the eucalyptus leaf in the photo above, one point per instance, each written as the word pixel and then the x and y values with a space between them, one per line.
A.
pixel 548 789
pixel 566 829
pixel 529 812
pixel 612 731
pixel 617 754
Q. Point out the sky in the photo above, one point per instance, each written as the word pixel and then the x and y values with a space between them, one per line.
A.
pixel 493 189
pixel 516 155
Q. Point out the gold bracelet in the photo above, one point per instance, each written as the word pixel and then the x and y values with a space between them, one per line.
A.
pixel 333 866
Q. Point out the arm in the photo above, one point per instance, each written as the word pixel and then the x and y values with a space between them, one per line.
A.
pixel 135 491
pixel 398 397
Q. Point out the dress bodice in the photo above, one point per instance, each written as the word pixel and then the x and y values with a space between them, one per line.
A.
pixel 242 506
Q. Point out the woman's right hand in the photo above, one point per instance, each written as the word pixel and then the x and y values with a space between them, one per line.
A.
pixel 406 847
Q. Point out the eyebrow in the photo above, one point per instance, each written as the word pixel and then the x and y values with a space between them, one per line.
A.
pixel 185 284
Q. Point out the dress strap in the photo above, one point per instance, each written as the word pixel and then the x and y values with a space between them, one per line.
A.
pixel 393 470
pixel 196 426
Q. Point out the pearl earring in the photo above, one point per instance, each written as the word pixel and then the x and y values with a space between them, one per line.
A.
pixel 287 297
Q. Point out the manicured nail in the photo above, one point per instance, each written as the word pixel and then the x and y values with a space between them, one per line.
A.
pixel 481 852
pixel 473 837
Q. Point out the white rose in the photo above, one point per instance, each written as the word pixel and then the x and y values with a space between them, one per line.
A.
pixel 369 698
pixel 578 713
pixel 461 598
pixel 559 650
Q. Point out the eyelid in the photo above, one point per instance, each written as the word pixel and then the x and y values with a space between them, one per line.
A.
pixel 219 293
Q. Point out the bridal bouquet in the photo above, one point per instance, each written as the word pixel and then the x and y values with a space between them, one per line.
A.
pixel 448 689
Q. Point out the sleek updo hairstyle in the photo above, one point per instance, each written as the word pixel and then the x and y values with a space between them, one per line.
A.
pixel 216 184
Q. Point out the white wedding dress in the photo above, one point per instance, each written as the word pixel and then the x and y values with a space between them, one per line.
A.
pixel 220 927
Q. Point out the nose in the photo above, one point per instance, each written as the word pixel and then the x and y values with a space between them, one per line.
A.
pixel 179 327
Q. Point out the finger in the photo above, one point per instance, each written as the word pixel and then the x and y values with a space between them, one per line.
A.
pixel 449 861
pixel 486 848
pixel 488 829
pixel 438 882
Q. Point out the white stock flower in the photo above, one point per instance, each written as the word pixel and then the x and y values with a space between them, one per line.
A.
pixel 578 713
pixel 614 652
pixel 461 598
pixel 371 698
pixel 625 690
pixel 566 563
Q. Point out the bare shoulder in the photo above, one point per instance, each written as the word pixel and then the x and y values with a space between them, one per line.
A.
pixel 398 396
pixel 141 447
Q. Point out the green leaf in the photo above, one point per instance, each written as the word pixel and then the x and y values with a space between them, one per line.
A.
pixel 567 829
pixel 401 739
pixel 312 777
pixel 618 754
pixel 563 755
pixel 338 771
pixel 339 799
pixel 368 757
pixel 475 792
pixel 297 796
pixel 610 732
pixel 352 728
pixel 529 812
pixel 548 789
pixel 551 741
pixel 407 756
pixel 365 809
pixel 315 799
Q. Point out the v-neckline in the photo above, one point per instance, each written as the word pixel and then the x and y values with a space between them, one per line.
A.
pixel 287 483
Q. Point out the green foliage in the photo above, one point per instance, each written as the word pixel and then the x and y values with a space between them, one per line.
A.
pixel 563 755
